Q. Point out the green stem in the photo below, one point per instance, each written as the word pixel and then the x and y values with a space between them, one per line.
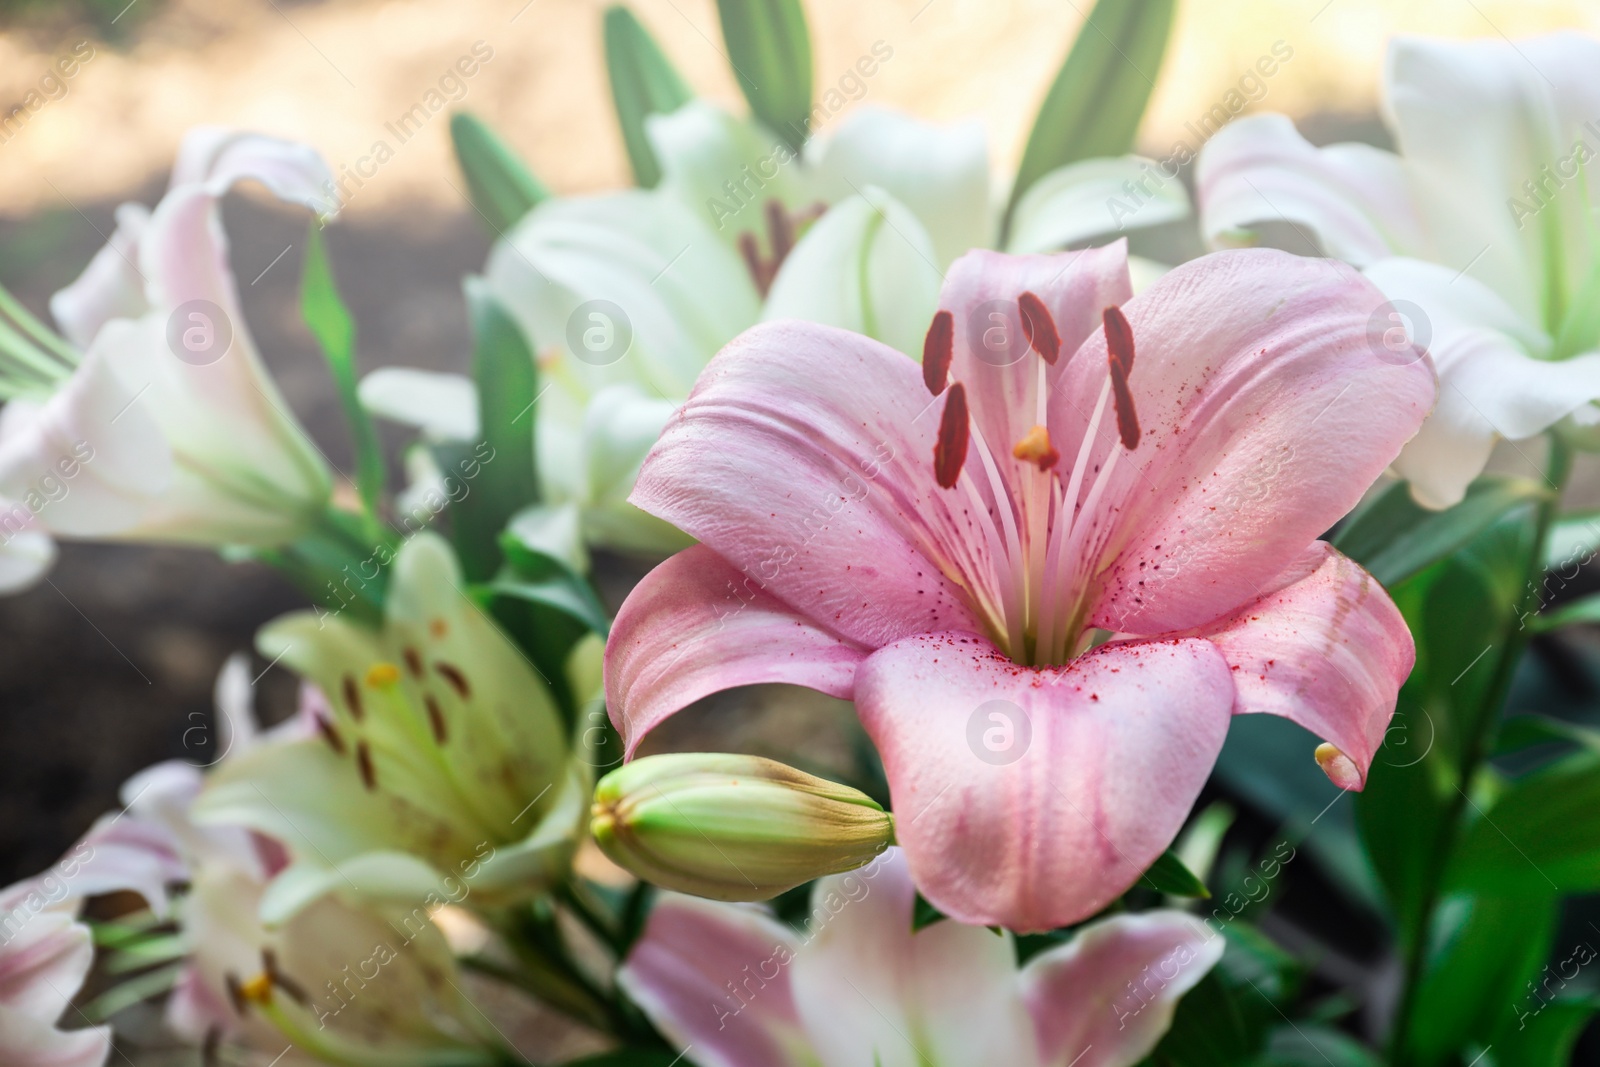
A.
pixel 1478 740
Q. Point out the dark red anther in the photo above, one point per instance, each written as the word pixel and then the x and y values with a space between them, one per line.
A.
pixel 938 349
pixel 329 734
pixel 1039 328
pixel 457 680
pixel 435 719
pixel 950 450
pixel 1119 358
pixel 369 777
pixel 352 698
pixel 413 661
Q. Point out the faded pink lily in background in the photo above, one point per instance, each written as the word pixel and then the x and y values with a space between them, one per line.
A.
pixel 45 954
pixel 1047 570
pixel 857 988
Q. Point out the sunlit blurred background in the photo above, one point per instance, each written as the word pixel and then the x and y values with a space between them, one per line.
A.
pixel 108 666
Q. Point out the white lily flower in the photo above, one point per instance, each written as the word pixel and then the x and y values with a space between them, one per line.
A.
pixel 348 984
pixel 440 768
pixel 168 428
pixel 45 954
pixel 627 295
pixel 1480 229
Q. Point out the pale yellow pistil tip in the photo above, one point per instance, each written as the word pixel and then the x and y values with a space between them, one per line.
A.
pixel 1035 447
pixel 382 675
pixel 1340 769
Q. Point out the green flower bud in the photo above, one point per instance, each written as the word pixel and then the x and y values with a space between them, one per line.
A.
pixel 733 827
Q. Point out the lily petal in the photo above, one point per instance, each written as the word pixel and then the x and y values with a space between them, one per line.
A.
pixel 1090 198
pixel 940 173
pixel 1031 797
pixel 26 1041
pixel 1264 418
pixel 1489 389
pixel 1105 998
pixel 1352 198
pixel 992 354
pixel 110 287
pixel 867 266
pixel 443 405
pixel 694 626
pixel 643 252
pixel 1475 121
pixel 725 168
pixel 850 425
pixel 872 994
pixel 716 978
pixel 1328 650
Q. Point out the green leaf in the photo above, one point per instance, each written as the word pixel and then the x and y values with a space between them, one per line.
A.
pixel 1542 1037
pixel 1094 108
pixel 924 914
pixel 1310 1045
pixel 1168 875
pixel 500 186
pixel 1481 951
pixel 1225 1019
pixel 1540 836
pixel 1585 609
pixel 331 324
pixel 1573 539
pixel 1526 731
pixel 770 50
pixel 1394 538
pixel 500 475
pixel 567 594
pixel 643 83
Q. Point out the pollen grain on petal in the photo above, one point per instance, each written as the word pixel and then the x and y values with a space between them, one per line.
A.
pixel 1035 447
pixel 938 349
pixel 950 450
pixel 1039 328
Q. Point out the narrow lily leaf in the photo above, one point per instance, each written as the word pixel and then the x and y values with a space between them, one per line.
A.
pixel 1094 108
pixel 1540 836
pixel 1573 541
pixel 1586 609
pixel 1309 1045
pixel 501 473
pixel 643 83
pixel 1525 731
pixel 1393 537
pixel 499 184
pixel 331 324
pixel 565 593
pixel 770 50
pixel 1544 1033
pixel 1168 875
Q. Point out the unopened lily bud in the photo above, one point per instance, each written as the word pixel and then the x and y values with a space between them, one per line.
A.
pixel 733 827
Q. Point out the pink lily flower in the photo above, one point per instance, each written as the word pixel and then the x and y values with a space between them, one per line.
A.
pixel 1049 564
pixel 855 987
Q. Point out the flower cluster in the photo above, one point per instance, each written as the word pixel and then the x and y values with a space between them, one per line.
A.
pixel 1051 516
